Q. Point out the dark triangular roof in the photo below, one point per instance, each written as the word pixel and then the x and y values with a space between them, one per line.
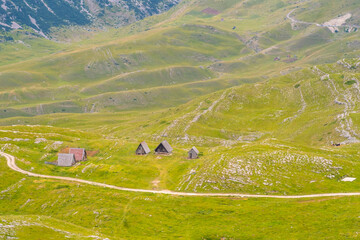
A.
pixel 195 150
pixel 145 147
pixel 166 145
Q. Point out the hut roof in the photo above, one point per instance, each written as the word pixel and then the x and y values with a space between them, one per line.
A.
pixel 195 150
pixel 166 145
pixel 66 159
pixel 79 153
pixel 145 147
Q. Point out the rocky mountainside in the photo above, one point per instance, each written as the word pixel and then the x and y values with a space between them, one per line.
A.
pixel 41 15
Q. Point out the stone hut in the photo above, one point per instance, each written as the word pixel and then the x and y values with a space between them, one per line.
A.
pixel 142 149
pixel 79 153
pixel 66 160
pixel 163 148
pixel 193 153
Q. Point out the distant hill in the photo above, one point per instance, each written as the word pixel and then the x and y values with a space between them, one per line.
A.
pixel 194 49
pixel 41 15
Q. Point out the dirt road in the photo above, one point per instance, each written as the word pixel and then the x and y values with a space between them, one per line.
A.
pixel 330 24
pixel 11 163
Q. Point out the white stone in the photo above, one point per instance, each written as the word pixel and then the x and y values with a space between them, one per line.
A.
pixel 348 179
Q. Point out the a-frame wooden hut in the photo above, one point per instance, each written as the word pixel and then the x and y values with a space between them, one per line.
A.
pixel 193 153
pixel 142 149
pixel 163 148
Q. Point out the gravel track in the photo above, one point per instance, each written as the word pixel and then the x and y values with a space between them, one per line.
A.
pixel 11 163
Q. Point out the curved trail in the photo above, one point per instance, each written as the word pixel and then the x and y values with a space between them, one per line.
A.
pixel 11 163
pixel 294 20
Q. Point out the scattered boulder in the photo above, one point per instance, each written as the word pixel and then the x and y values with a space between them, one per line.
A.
pixel 40 140
pixel 348 179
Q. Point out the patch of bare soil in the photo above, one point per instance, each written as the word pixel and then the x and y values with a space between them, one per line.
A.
pixel 92 153
pixel 333 24
pixel 155 183
pixel 210 11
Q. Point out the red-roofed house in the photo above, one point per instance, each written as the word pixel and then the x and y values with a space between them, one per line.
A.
pixel 79 153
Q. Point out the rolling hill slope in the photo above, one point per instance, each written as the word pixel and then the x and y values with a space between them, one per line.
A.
pixel 276 136
pixel 266 90
pixel 217 49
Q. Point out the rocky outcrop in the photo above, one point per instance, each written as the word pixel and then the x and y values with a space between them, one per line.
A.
pixel 41 15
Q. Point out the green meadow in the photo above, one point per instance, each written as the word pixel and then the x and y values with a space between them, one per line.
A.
pixel 272 105
pixel 36 208
pixel 272 137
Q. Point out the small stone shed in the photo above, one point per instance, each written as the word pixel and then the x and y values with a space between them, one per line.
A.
pixel 193 153
pixel 66 160
pixel 142 149
pixel 79 153
pixel 164 148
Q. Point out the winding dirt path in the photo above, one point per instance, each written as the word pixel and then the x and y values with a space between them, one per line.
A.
pixel 11 163
pixel 326 25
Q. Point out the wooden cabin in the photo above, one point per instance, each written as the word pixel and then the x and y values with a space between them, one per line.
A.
pixel 193 153
pixel 66 160
pixel 164 148
pixel 79 153
pixel 142 149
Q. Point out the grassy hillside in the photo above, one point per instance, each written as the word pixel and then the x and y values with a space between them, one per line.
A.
pixel 261 88
pixel 72 211
pixel 274 137
pixel 247 40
